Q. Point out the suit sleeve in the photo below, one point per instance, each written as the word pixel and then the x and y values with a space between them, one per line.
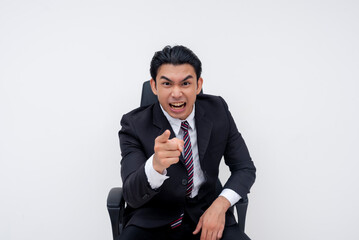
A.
pixel 136 189
pixel 236 156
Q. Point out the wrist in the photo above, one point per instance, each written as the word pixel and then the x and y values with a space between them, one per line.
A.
pixel 160 169
pixel 224 203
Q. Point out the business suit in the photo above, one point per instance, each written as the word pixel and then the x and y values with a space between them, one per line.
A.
pixel 217 136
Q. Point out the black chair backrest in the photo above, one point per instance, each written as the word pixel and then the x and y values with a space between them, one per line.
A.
pixel 147 97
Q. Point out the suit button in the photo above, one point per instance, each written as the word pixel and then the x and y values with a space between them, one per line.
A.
pixel 145 197
pixel 184 182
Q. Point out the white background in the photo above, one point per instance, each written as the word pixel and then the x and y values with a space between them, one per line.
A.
pixel 70 69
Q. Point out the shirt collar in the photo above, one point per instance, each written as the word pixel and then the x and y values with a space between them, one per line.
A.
pixel 176 122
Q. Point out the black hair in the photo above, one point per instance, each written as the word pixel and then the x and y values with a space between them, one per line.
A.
pixel 175 55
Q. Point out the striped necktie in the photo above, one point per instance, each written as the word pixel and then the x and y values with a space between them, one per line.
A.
pixel 188 160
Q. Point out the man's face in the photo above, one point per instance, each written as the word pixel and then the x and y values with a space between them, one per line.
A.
pixel 176 87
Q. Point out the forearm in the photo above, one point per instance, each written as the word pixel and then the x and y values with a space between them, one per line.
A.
pixel 136 189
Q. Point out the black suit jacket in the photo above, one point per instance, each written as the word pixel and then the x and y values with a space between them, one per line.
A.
pixel 217 136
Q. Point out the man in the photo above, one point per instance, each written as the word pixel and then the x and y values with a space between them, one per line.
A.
pixel 171 154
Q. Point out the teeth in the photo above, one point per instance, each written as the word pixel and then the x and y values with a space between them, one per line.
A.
pixel 177 104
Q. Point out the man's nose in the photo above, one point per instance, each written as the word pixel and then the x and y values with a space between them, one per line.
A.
pixel 176 92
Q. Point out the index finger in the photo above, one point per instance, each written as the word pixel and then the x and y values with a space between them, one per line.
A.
pixel 164 137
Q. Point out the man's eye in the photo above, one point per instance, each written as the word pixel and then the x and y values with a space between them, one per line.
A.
pixel 166 83
pixel 186 83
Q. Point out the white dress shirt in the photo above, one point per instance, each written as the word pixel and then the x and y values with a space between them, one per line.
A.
pixel 156 179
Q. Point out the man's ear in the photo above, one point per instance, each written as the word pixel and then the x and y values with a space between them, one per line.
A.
pixel 199 85
pixel 153 86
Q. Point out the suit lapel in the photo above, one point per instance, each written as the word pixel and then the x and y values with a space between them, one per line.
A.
pixel 204 129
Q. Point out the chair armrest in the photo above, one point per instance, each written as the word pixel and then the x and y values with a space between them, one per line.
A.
pixel 115 198
pixel 115 207
pixel 241 207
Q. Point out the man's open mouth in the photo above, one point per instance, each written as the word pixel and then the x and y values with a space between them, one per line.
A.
pixel 178 105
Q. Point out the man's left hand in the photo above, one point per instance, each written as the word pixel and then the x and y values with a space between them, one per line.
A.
pixel 213 219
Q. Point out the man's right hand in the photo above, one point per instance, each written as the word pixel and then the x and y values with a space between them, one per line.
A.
pixel 167 151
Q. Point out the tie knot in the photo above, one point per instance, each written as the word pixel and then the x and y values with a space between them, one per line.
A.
pixel 184 125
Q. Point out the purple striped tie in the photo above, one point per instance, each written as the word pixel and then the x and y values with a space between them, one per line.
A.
pixel 188 160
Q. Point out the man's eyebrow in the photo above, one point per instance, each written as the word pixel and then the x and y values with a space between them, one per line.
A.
pixel 166 78
pixel 185 79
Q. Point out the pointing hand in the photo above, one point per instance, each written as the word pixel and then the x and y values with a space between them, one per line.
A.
pixel 167 151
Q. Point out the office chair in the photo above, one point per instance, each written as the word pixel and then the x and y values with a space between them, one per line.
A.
pixel 116 202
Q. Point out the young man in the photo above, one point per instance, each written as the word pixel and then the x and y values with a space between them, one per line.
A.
pixel 171 153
